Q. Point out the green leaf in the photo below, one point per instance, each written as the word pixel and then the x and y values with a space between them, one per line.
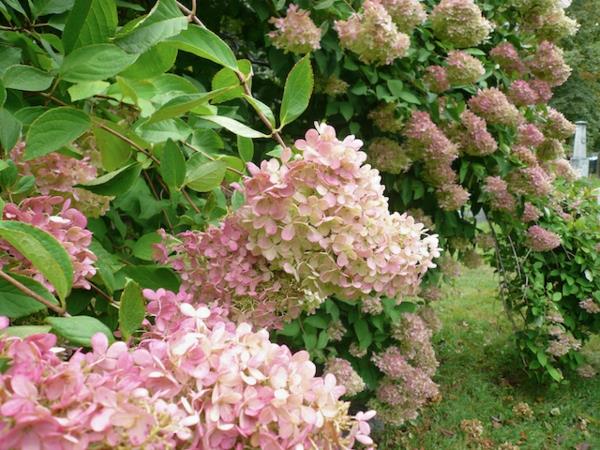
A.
pixel 90 22
pixel 79 330
pixel 172 165
pixel 228 78
pixel 2 94
pixel 153 277
pixel 235 127
pixel 87 89
pixel 26 78
pixel 317 321
pixel 409 97
pixel 143 248
pixel 155 61
pixel 396 87
pixel 245 148
pixel 175 129
pixel 24 331
pixel 183 104
pixel 44 252
pixel 14 304
pixel 206 176
pixel 260 107
pixel 95 62
pixel 53 129
pixel 298 89
pixel 164 21
pixel 114 152
pixel 365 338
pixel 131 309
pixel 10 129
pixel 206 44
pixel 114 183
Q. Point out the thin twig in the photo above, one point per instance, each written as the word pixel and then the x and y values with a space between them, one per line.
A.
pixel 149 181
pixel 107 297
pixel 190 201
pixel 20 286
pixel 191 13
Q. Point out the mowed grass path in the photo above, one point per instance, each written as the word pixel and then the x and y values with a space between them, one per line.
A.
pixel 480 378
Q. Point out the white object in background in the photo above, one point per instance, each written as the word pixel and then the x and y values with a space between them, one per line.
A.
pixel 564 4
pixel 580 161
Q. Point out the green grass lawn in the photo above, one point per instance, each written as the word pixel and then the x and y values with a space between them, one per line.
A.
pixel 480 378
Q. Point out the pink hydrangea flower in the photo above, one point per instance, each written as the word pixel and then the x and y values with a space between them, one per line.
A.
pixel 463 68
pixel 388 156
pixel 531 181
pixel 55 216
pixel 542 240
pixel 372 35
pixel 529 135
pixel 525 155
pixel 500 198
pixel 557 126
pixel 530 213
pixel 406 14
pixel 590 306
pixel 548 64
pixel 345 374
pixel 493 106
pixel 460 22
pixel 507 56
pixel 452 197
pixel 296 32
pixel 436 79
pixel 521 94
pixel 542 89
pixel 477 140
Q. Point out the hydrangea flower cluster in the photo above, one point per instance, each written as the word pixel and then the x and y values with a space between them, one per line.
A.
pixel 530 136
pixel 543 90
pixel 55 216
pixel 589 306
pixel 562 343
pixel 548 64
pixel 550 23
pixel 429 143
pixel 332 86
pixel 408 368
pixel 460 22
pixel 388 156
pixel 525 155
pixel 345 375
pixel 508 58
pixel 500 198
pixel 493 106
pixel 530 213
pixel 542 240
pixel 476 140
pixel 550 150
pixel 313 226
pixel 557 126
pixel 296 32
pixel 436 79
pixel 463 68
pixel 373 35
pixel 530 181
pixel 57 174
pixel 561 168
pixel 195 381
pixel 522 94
pixel 384 118
pixel 406 14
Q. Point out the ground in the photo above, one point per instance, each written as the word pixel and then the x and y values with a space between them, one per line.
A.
pixel 480 378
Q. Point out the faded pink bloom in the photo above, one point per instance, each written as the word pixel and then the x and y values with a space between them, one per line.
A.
pixel 521 94
pixel 557 126
pixel 542 240
pixel 590 306
pixel 477 140
pixel 531 181
pixel 530 213
pixel 460 22
pixel 525 155
pixel 552 25
pixel 463 68
pixel 452 197
pixel 493 106
pixel 507 56
pixel 436 79
pixel 384 118
pixel 500 198
pixel 548 64
pixel 372 35
pixel 529 135
pixel 345 375
pixel 542 89
pixel 406 14
pixel 550 150
pixel 67 225
pixel 296 32
pixel 561 168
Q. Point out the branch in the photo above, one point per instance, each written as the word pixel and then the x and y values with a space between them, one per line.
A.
pixel 190 201
pixel 34 295
pixel 212 158
pixel 191 13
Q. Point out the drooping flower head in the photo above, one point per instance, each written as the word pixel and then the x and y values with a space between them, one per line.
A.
pixel 436 79
pixel 521 94
pixel 296 32
pixel 500 198
pixel 373 35
pixel 530 213
pixel 460 22
pixel 542 240
pixel 507 56
pixel 531 181
pixel 388 156
pixel 345 375
pixel 529 135
pixel 477 140
pixel 384 118
pixel 557 126
pixel 548 64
